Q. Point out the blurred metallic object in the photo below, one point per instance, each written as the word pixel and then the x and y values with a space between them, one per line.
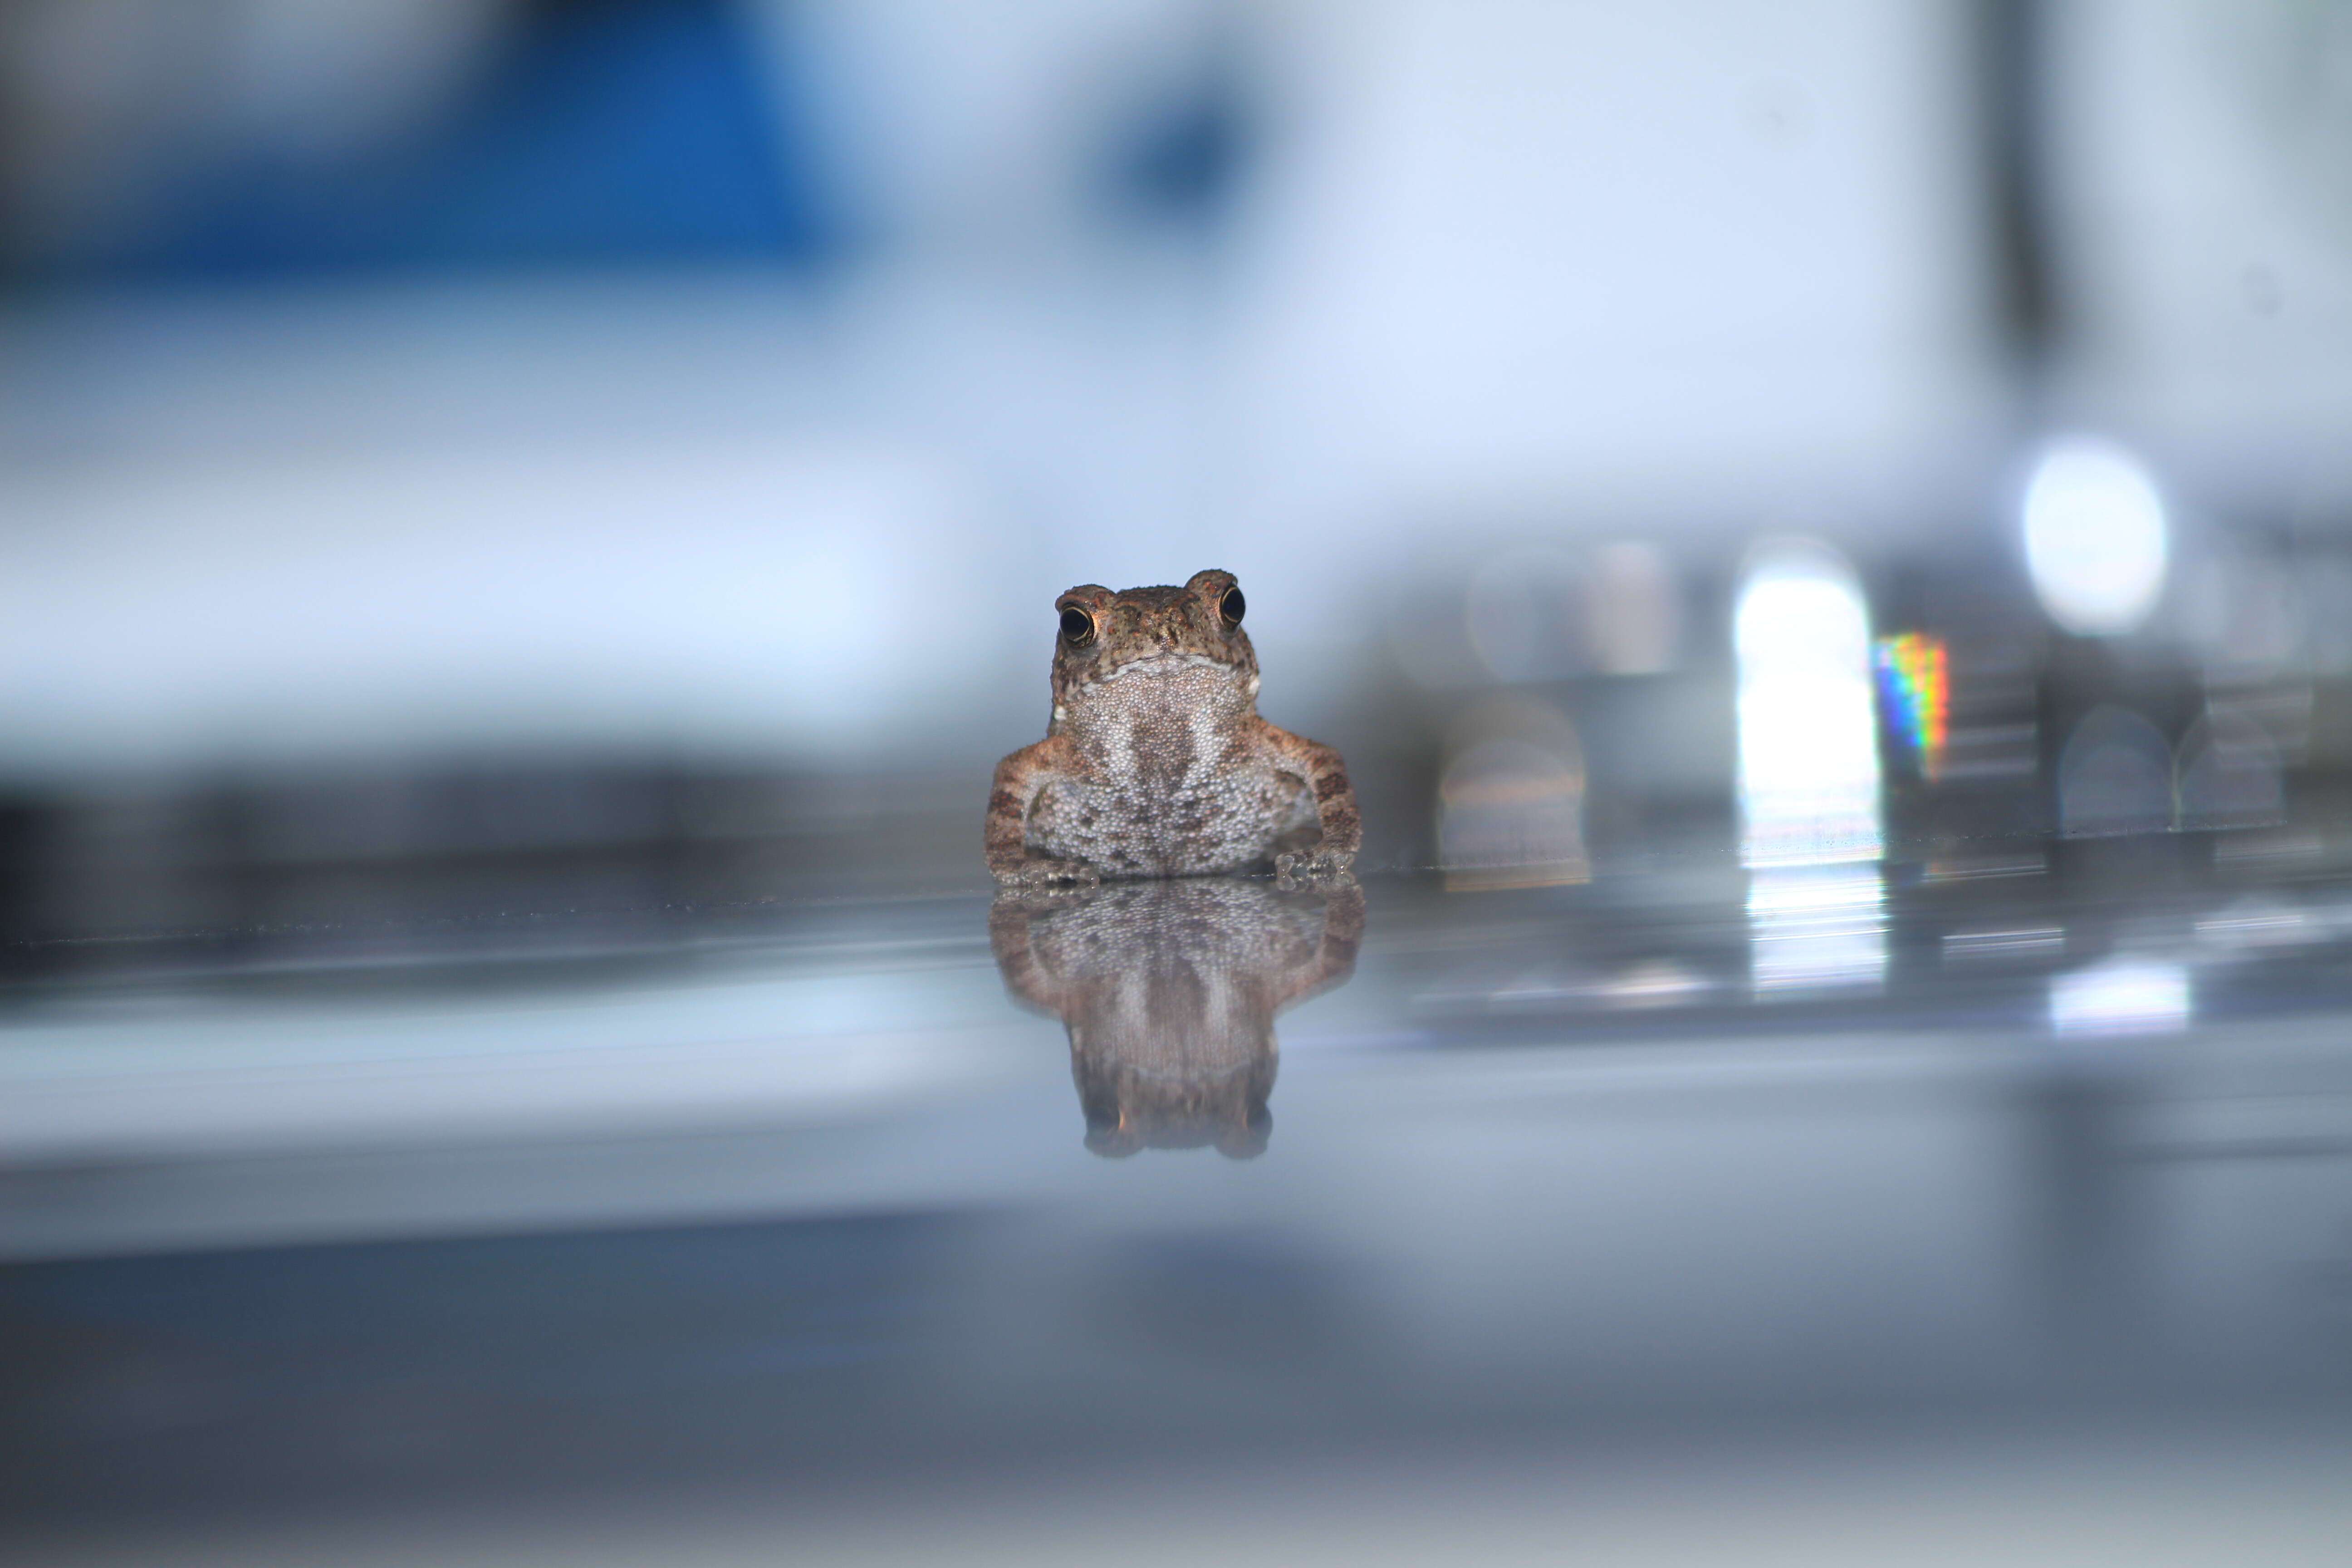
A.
pixel 1510 807
pixel 2115 775
pixel 2095 540
pixel 1809 783
pixel 1633 608
pixel 2005 945
pixel 2228 774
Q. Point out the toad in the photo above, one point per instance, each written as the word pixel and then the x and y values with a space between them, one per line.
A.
pixel 1156 763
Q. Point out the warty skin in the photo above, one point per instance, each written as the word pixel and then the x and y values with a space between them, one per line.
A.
pixel 1155 762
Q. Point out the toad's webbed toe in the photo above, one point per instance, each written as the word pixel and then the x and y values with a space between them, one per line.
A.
pixel 1041 871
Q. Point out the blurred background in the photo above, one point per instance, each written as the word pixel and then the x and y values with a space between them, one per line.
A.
pixel 450 429
pixel 1823 529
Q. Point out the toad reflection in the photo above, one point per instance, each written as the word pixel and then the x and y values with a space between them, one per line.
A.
pixel 1168 990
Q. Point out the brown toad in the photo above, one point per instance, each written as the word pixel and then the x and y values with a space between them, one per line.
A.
pixel 1156 763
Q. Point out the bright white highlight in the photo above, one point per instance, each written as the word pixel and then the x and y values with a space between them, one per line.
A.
pixel 2095 537
pixel 1816 928
pixel 2120 996
pixel 1808 725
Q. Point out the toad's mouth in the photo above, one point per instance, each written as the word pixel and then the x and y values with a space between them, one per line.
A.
pixel 1167 663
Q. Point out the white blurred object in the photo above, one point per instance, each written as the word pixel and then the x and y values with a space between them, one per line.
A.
pixel 1814 927
pixel 2095 537
pixel 1657 255
pixel 1809 782
pixel 761 598
pixel 2201 174
pixel 1633 609
pixel 2120 996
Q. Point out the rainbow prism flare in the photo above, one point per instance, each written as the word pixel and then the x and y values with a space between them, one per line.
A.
pixel 1915 682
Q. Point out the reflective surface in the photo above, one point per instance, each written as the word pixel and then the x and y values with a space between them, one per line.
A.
pixel 1170 990
pixel 2021 1173
pixel 1822 532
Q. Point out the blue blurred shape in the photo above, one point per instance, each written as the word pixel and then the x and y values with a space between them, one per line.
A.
pixel 607 131
pixel 1184 159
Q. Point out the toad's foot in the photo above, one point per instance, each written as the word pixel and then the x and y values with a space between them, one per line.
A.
pixel 1038 900
pixel 1037 871
pixel 1322 866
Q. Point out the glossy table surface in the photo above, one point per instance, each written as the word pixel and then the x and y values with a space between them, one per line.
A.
pixel 2012 1179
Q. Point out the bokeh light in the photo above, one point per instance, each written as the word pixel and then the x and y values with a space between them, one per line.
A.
pixel 2095 537
pixel 2121 995
pixel 1816 928
pixel 1809 782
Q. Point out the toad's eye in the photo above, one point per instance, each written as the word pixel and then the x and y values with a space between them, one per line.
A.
pixel 1232 605
pixel 1077 626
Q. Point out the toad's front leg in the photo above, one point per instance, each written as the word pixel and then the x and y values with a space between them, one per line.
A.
pixel 1326 777
pixel 1019 778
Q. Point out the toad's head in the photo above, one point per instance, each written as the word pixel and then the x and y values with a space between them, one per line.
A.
pixel 1141 635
